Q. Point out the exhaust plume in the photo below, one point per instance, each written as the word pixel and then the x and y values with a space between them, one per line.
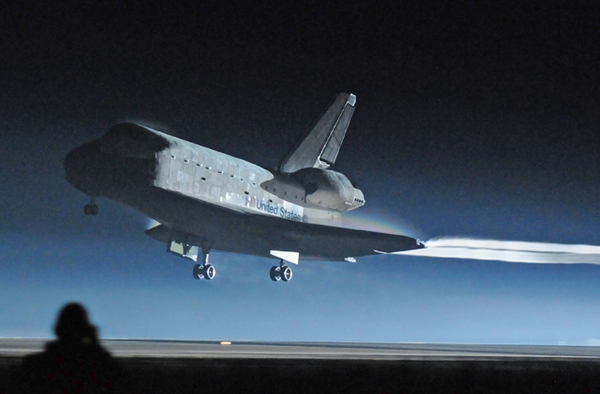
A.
pixel 510 251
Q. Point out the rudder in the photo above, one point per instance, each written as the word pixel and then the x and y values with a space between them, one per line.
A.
pixel 321 146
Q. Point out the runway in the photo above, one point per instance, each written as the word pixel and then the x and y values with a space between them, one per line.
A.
pixel 292 367
pixel 15 347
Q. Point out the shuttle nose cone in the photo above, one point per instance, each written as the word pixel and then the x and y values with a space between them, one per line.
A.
pixel 74 165
pixel 80 168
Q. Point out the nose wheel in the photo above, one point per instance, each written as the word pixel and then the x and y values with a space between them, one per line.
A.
pixel 91 208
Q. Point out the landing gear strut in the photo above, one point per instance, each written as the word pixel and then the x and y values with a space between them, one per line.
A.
pixel 204 270
pixel 281 272
pixel 91 208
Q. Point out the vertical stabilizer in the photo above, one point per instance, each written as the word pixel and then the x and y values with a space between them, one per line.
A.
pixel 321 146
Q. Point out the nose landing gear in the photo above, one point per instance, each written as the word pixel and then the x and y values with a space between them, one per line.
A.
pixel 91 208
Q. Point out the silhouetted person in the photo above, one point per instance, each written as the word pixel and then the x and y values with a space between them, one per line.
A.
pixel 74 363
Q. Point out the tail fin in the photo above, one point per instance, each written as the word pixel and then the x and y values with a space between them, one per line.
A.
pixel 321 146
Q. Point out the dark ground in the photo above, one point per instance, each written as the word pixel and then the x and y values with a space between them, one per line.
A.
pixel 210 375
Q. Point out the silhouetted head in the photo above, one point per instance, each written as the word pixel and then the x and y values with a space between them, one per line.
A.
pixel 73 325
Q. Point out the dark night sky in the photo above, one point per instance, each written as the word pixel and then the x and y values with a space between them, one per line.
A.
pixel 478 120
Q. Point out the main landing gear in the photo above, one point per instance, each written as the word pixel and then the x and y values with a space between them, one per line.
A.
pixel 281 272
pixel 204 270
pixel 91 208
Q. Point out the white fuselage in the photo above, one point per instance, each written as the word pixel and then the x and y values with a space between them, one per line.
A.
pixel 217 178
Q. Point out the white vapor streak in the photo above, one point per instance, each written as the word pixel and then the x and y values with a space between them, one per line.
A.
pixel 510 251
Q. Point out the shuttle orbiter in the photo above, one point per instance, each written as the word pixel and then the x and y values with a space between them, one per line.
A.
pixel 207 200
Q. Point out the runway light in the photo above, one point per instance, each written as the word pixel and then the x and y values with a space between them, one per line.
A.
pixel 225 343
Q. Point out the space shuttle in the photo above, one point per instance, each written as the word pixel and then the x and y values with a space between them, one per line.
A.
pixel 205 200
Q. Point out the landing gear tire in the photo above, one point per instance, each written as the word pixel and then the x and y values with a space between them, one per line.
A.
pixel 197 272
pixel 281 273
pixel 275 273
pixel 90 209
pixel 286 273
pixel 209 272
